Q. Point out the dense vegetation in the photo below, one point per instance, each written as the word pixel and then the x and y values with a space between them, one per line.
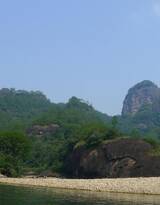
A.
pixel 18 108
pixel 14 148
pixel 78 123
pixel 145 122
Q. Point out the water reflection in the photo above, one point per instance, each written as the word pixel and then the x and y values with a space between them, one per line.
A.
pixel 14 195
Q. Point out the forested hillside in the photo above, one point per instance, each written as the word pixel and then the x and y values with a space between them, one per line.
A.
pixel 18 107
pixel 37 135
pixel 31 115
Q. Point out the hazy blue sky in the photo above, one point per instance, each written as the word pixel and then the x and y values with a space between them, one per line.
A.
pixel 93 49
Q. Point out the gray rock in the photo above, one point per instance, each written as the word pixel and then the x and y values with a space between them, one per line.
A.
pixel 39 130
pixel 145 93
pixel 118 158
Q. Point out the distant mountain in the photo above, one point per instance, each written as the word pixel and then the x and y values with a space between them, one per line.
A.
pixel 143 94
pixel 19 107
pixel 141 109
pixel 76 111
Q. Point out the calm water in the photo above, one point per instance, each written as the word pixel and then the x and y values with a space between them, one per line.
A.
pixel 12 195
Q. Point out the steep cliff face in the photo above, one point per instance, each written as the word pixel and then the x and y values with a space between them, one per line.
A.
pixel 119 158
pixel 145 93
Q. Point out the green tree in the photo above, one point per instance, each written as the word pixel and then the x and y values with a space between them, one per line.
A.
pixel 14 149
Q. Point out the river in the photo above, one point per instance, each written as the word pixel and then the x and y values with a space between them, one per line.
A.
pixel 16 195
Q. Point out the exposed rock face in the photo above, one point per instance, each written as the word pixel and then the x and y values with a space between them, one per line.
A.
pixel 144 93
pixel 39 130
pixel 119 158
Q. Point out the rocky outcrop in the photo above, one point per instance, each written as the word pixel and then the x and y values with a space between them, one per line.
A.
pixel 145 93
pixel 39 130
pixel 118 158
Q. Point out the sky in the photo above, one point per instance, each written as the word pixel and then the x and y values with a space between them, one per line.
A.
pixel 93 49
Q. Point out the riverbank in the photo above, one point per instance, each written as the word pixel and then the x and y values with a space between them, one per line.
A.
pixel 126 185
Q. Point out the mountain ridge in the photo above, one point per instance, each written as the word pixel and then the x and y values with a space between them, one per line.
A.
pixel 141 109
pixel 55 130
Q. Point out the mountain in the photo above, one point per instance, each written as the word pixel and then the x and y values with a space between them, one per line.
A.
pixel 29 121
pixel 143 94
pixel 76 111
pixel 19 107
pixel 40 135
pixel 141 109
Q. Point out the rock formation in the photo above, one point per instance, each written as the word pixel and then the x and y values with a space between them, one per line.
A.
pixel 145 93
pixel 39 130
pixel 118 158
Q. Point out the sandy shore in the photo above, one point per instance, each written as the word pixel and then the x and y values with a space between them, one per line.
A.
pixel 129 185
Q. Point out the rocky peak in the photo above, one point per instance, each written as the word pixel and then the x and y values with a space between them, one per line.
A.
pixel 143 93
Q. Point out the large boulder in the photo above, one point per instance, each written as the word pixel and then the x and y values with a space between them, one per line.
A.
pixel 118 158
